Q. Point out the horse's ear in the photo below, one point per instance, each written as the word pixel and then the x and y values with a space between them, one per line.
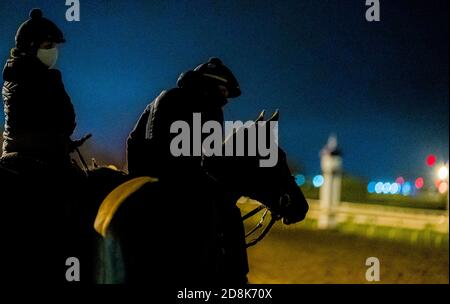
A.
pixel 275 116
pixel 260 116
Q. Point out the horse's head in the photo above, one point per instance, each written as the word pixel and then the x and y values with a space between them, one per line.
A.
pixel 272 184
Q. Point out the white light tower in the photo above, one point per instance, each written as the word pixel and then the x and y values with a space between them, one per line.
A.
pixel 330 192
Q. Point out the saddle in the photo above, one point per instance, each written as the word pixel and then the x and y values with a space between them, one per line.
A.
pixel 115 199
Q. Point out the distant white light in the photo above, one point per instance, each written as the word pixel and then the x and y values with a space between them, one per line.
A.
pixel 318 181
pixel 379 187
pixel 386 188
pixel 395 188
pixel 443 172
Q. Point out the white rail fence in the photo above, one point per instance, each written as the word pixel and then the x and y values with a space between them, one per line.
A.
pixel 387 216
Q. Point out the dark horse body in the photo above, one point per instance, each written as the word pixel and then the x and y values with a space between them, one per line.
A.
pixel 42 222
pixel 187 230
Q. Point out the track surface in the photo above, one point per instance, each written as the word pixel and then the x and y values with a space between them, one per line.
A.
pixel 304 256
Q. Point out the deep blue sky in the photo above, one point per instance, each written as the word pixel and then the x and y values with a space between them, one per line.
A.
pixel 381 87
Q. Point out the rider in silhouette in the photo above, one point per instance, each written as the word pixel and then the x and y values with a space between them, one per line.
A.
pixel 39 120
pixel 204 90
pixel 39 115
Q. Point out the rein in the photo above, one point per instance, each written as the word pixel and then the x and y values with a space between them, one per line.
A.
pixel 273 220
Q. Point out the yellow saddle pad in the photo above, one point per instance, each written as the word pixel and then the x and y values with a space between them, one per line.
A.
pixel 114 200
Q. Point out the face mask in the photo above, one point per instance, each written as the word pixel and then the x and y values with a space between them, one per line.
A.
pixel 48 56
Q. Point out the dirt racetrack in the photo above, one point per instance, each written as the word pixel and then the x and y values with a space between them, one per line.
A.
pixel 304 256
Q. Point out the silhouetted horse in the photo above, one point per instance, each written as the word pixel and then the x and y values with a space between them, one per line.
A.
pixel 191 232
pixel 186 232
pixel 42 221
pixel 47 215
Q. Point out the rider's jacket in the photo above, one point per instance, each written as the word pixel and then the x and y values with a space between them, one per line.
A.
pixel 39 115
pixel 149 144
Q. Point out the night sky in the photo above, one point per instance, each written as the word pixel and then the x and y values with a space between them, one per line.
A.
pixel 381 87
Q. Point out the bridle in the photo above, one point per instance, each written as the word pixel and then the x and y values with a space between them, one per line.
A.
pixel 284 200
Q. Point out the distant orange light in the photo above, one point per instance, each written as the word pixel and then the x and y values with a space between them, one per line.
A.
pixel 437 183
pixel 443 187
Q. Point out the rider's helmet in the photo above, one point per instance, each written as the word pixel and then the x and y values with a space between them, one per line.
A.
pixel 36 30
pixel 217 71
